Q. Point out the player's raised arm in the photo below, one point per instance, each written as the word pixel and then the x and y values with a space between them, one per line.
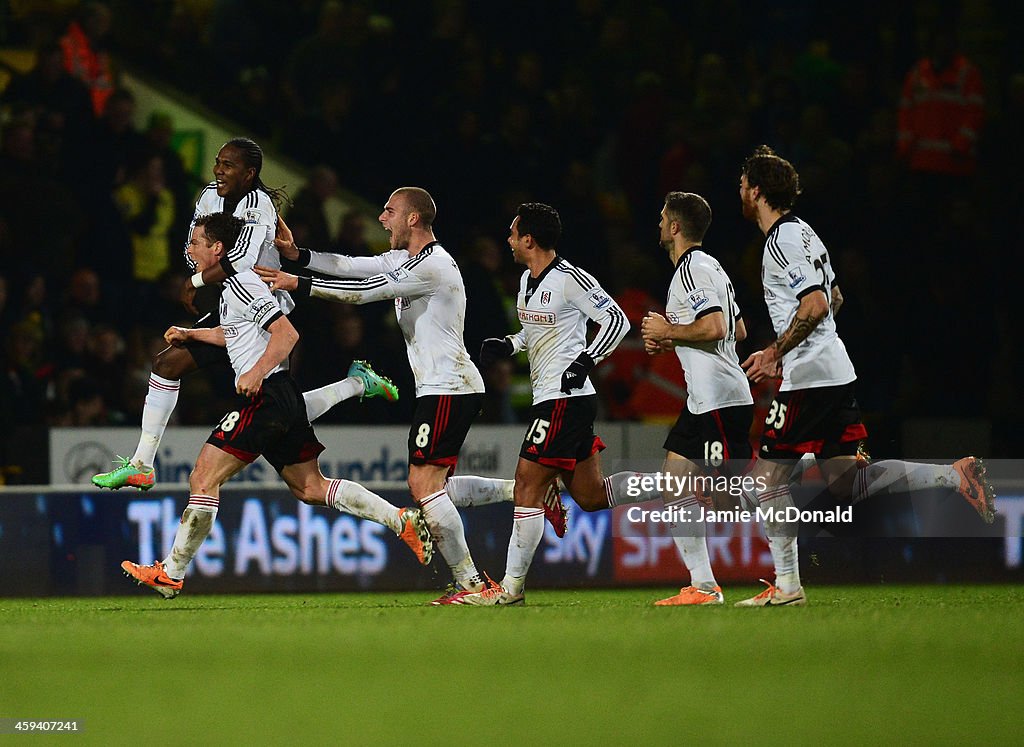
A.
pixel 277 279
pixel 412 279
pixel 337 265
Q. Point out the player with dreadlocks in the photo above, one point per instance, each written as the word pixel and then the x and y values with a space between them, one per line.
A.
pixel 237 190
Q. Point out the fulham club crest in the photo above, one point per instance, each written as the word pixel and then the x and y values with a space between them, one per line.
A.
pixel 545 298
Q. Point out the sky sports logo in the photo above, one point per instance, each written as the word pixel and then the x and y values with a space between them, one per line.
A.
pixel 544 318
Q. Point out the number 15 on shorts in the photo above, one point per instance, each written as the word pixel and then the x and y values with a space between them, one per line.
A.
pixel 538 431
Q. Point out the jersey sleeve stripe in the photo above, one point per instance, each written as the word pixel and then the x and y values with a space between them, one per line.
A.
pixel 238 250
pixel 609 335
pixel 606 341
pixel 413 261
pixel 705 312
pixel 776 253
pixel 273 318
pixel 685 276
pixel 581 278
pixel 378 281
pixel 810 289
pixel 238 289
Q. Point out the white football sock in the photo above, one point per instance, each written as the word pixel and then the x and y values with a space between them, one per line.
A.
pixel 160 402
pixel 353 498
pixel 196 524
pixel 445 525
pixel 319 401
pixel 527 531
pixel 894 476
pixel 625 487
pixel 691 541
pixel 467 491
pixel 784 548
pixel 786 555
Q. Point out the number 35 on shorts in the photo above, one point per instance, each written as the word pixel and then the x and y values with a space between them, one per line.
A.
pixel 776 416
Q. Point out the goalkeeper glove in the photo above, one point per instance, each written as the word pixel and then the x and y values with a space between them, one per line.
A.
pixel 494 348
pixel 576 374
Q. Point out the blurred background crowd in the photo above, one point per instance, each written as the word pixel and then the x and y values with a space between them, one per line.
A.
pixel 899 117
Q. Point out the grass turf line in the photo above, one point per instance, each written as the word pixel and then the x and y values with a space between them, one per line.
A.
pixel 917 663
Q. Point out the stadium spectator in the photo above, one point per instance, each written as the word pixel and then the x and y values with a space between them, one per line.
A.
pixel 35 310
pixel 485 300
pixel 85 55
pixel 85 405
pixel 328 128
pixel 629 364
pixel 60 103
pixel 332 52
pixel 72 348
pixel 106 365
pixel 147 207
pixel 942 108
pixel 940 117
pixel 307 216
pixel 27 219
pixel 159 136
pixel 24 382
pixel 83 296
pixel 352 238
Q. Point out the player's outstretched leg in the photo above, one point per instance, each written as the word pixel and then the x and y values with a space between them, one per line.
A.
pixel 975 489
pixel 468 491
pixel 308 485
pixel 126 474
pixel 154 576
pixel 374 385
pixel 416 535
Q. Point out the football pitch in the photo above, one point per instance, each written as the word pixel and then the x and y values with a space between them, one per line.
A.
pixel 914 664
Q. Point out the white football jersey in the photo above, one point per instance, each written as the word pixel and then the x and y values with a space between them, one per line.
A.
pixel 247 309
pixel 796 263
pixel 712 370
pixel 554 309
pixel 255 245
pixel 430 302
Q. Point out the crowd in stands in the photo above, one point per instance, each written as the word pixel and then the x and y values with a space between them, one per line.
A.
pixel 898 116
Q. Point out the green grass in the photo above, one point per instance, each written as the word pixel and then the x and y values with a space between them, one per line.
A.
pixel 917 664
